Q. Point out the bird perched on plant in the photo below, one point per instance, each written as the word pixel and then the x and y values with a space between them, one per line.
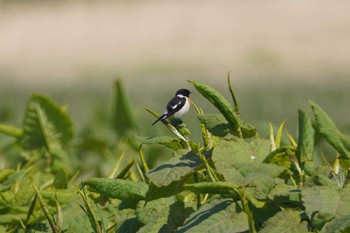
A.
pixel 177 106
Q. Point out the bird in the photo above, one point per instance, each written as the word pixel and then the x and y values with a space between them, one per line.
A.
pixel 177 106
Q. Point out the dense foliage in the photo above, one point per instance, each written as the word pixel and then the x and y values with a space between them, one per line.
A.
pixel 232 181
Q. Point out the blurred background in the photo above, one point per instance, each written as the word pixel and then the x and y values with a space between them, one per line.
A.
pixel 280 54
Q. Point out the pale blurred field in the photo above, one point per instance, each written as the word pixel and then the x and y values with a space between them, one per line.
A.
pixel 280 53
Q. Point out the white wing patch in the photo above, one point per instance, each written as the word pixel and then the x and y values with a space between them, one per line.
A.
pixel 174 107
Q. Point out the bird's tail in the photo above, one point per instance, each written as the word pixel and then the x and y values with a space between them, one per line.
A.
pixel 162 117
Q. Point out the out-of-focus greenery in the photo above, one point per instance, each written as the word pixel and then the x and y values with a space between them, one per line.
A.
pixel 228 173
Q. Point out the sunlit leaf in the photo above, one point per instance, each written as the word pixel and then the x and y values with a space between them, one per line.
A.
pixel 237 150
pixel 329 130
pixel 45 124
pixel 162 215
pixel 288 221
pixel 306 134
pixel 341 224
pixel 219 216
pixel 175 169
pixel 326 199
pixel 216 124
pixel 224 107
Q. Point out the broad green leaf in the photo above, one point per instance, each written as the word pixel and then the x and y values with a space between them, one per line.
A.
pixel 175 169
pixel 233 159
pixel 11 131
pixel 117 188
pixel 162 215
pixel 45 124
pixel 329 130
pixel 284 192
pixel 341 224
pixel 219 216
pixel 172 143
pixel 259 185
pixel 306 140
pixel 326 199
pixel 122 117
pixel 216 124
pixel 237 151
pixel 224 107
pixel 271 170
pixel 320 219
pixel 287 221
pixel 74 218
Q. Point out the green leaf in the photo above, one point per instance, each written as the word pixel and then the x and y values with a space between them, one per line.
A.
pixel 122 117
pixel 74 218
pixel 224 107
pixel 285 221
pixel 162 215
pixel 11 131
pixel 329 130
pixel 172 143
pixel 117 188
pixel 306 141
pixel 45 124
pixel 216 124
pixel 237 151
pixel 219 216
pixel 341 225
pixel 320 219
pixel 326 199
pixel 259 185
pixel 175 169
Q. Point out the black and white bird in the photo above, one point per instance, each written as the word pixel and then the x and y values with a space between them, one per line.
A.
pixel 177 106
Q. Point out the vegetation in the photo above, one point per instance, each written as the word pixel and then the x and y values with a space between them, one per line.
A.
pixel 231 181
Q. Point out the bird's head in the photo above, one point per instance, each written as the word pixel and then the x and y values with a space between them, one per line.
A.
pixel 183 92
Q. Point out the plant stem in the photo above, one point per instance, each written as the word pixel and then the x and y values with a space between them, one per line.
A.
pixel 196 180
pixel 249 213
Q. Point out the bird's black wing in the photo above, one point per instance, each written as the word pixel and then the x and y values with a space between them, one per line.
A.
pixel 174 105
